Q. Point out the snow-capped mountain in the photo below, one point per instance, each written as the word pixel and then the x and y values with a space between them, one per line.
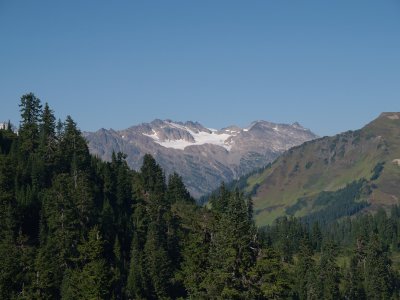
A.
pixel 204 157
pixel 179 136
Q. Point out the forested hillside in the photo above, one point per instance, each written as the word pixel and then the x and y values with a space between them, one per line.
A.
pixel 332 177
pixel 75 227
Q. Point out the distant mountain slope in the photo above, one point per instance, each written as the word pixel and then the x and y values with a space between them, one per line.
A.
pixel 203 157
pixel 361 166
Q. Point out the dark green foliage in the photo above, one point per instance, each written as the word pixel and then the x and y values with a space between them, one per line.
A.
pixel 219 200
pixel 47 146
pixel 152 177
pixel 89 278
pixel 195 263
pixel 232 240
pixel 269 278
pixel 376 172
pixel 300 203
pixel 137 286
pixel 316 236
pixel 157 262
pixel 305 273
pixel 377 271
pixel 353 280
pixel 286 235
pixel 49 275
pixel 73 152
pixel 176 190
pixel 30 108
pixel 7 139
pixel 335 205
pixel 328 272
pixel 9 262
pixel 331 206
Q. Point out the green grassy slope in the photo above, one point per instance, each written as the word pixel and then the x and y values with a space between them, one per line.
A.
pixel 329 164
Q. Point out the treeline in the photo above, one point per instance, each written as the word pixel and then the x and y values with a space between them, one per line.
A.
pixel 75 227
pixel 329 206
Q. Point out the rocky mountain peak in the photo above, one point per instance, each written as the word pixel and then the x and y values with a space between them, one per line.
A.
pixel 204 157
pixel 390 115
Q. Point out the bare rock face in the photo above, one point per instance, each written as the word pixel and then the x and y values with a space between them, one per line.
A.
pixel 204 157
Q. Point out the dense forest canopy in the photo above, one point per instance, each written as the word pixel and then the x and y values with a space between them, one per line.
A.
pixel 75 227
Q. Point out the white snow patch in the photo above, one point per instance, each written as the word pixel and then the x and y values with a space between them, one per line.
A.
pixel 200 138
pixel 233 132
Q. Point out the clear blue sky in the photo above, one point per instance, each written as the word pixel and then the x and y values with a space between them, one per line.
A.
pixel 330 65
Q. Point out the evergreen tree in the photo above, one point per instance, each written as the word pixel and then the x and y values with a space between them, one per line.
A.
pixel 48 144
pixel 123 201
pixel 378 273
pixel 48 271
pixel 60 221
pixel 353 281
pixel 195 263
pixel 250 209
pixel 316 236
pixel 91 280
pixel 7 187
pixel 137 285
pixel 118 277
pixel 232 240
pixel 305 273
pixel 153 177
pixel 9 263
pixel 30 108
pixel 157 262
pixel 268 277
pixel 176 190
pixel 73 153
pixel 329 276
pixel 219 202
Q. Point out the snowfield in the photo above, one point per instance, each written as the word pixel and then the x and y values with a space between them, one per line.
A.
pixel 201 138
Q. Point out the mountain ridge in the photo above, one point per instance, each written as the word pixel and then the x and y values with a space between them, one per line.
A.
pixel 329 164
pixel 203 156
